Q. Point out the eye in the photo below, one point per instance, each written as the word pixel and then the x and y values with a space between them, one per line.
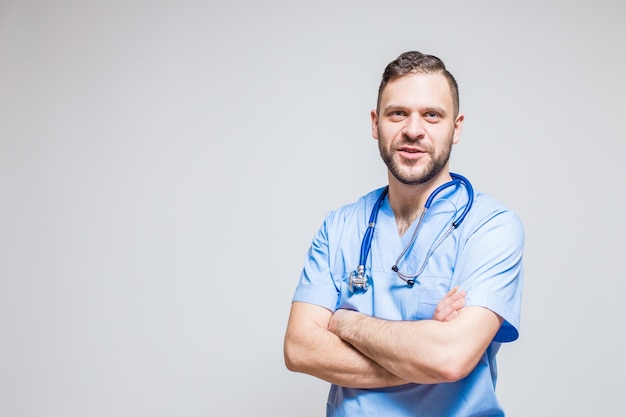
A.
pixel 432 116
pixel 397 115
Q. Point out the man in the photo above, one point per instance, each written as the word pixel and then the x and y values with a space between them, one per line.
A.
pixel 415 328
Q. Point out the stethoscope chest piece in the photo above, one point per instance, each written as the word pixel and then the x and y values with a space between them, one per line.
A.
pixel 358 280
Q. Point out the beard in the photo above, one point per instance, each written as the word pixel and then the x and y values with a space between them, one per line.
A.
pixel 411 176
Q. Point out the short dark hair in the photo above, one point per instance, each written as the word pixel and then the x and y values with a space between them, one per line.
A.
pixel 414 62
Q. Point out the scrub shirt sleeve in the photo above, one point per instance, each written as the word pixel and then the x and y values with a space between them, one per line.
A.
pixel 316 285
pixel 491 270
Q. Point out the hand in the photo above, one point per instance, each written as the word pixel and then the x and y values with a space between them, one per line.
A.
pixel 336 320
pixel 448 308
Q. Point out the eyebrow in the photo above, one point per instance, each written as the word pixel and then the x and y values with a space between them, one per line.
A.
pixel 437 109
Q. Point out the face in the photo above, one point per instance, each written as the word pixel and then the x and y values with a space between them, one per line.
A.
pixel 416 127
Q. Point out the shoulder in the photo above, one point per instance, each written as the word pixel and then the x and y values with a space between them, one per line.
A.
pixel 488 213
pixel 346 220
pixel 485 206
pixel 359 208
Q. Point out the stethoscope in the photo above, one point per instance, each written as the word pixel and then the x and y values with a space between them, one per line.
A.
pixel 360 281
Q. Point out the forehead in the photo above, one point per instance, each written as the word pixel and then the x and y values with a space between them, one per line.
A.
pixel 418 90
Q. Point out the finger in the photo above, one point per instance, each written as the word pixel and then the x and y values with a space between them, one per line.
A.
pixel 446 314
pixel 450 296
pixel 453 291
pixel 451 316
pixel 443 311
pixel 451 299
pixel 447 308
pixel 458 302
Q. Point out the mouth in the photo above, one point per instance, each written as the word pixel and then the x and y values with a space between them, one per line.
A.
pixel 411 152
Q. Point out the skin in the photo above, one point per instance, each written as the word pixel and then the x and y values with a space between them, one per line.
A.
pixel 312 348
pixel 416 127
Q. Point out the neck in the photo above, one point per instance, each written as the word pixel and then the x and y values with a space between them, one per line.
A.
pixel 407 201
pixel 406 216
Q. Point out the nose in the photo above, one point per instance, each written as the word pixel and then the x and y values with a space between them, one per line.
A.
pixel 414 127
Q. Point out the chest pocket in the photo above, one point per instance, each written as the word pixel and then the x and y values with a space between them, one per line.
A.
pixel 430 290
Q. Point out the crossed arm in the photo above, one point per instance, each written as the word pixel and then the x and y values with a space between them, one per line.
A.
pixel 352 349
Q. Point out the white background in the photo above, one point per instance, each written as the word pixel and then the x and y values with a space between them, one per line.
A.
pixel 164 165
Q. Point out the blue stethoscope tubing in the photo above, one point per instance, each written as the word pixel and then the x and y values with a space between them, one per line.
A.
pixel 358 279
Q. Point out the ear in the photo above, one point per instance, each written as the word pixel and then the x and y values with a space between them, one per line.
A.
pixel 458 125
pixel 374 117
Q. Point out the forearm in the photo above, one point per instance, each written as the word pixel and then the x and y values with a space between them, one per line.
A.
pixel 312 349
pixel 385 342
pixel 425 351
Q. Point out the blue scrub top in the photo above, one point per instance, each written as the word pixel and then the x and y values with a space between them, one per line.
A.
pixel 483 257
